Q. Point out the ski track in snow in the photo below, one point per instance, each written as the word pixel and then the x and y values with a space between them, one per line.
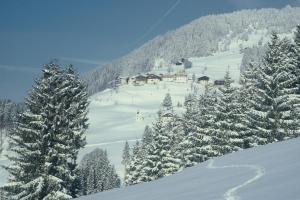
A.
pixel 231 193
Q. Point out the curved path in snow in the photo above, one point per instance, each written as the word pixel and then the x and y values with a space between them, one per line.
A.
pixel 231 193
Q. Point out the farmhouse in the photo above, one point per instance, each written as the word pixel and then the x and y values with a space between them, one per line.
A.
pixel 140 80
pixel 168 77
pixel 153 79
pixel 203 79
pixel 181 77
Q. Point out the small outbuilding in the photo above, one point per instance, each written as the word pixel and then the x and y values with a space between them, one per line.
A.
pixel 203 79
pixel 219 82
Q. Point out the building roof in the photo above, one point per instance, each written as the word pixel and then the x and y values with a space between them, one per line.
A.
pixel 153 76
pixel 140 78
pixel 203 78
pixel 219 82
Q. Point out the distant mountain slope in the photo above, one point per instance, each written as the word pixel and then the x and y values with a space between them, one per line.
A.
pixel 268 172
pixel 201 37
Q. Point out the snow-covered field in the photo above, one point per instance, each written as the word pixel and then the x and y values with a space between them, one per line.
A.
pixel 113 115
pixel 264 172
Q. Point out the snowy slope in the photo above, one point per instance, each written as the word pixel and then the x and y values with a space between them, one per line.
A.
pixel 112 116
pixel 268 172
pixel 201 37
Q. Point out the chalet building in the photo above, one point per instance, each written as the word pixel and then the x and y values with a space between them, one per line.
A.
pixel 140 80
pixel 153 79
pixel 203 80
pixel 219 82
pixel 168 77
pixel 181 77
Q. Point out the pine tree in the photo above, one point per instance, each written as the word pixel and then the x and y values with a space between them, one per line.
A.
pixel 198 120
pixel 296 48
pixel 133 175
pixel 228 123
pixel 286 99
pixel 245 97
pixel 159 160
pixel 296 55
pixel 166 106
pixel 75 106
pixel 270 116
pixel 42 140
pixel 97 174
pixel 126 156
pixel 147 136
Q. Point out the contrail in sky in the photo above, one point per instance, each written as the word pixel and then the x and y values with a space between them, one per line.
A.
pixel 84 61
pixel 19 69
pixel 157 23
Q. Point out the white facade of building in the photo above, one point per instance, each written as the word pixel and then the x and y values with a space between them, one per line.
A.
pixel 181 78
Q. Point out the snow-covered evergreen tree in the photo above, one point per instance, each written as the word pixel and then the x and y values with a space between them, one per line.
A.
pixel 126 156
pixel 271 116
pixel 296 47
pixel 140 150
pixel 44 139
pixel 198 123
pixel 228 125
pixel 75 102
pixel 159 160
pixel 134 168
pixel 147 136
pixel 166 106
pixel 244 97
pixel 97 174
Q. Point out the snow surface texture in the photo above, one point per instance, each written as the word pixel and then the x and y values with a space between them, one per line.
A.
pixel 261 173
pixel 112 116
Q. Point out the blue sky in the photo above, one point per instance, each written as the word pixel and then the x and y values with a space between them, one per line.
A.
pixel 88 33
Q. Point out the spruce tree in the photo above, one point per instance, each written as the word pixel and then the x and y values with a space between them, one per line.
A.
pixel 245 96
pixel 228 123
pixel 159 160
pixel 97 174
pixel 198 123
pixel 43 138
pixel 126 156
pixel 270 115
pixel 134 175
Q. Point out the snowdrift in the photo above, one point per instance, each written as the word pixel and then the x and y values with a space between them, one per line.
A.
pixel 261 173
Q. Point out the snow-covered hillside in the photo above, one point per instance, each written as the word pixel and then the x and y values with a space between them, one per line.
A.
pixel 113 115
pixel 201 37
pixel 264 172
